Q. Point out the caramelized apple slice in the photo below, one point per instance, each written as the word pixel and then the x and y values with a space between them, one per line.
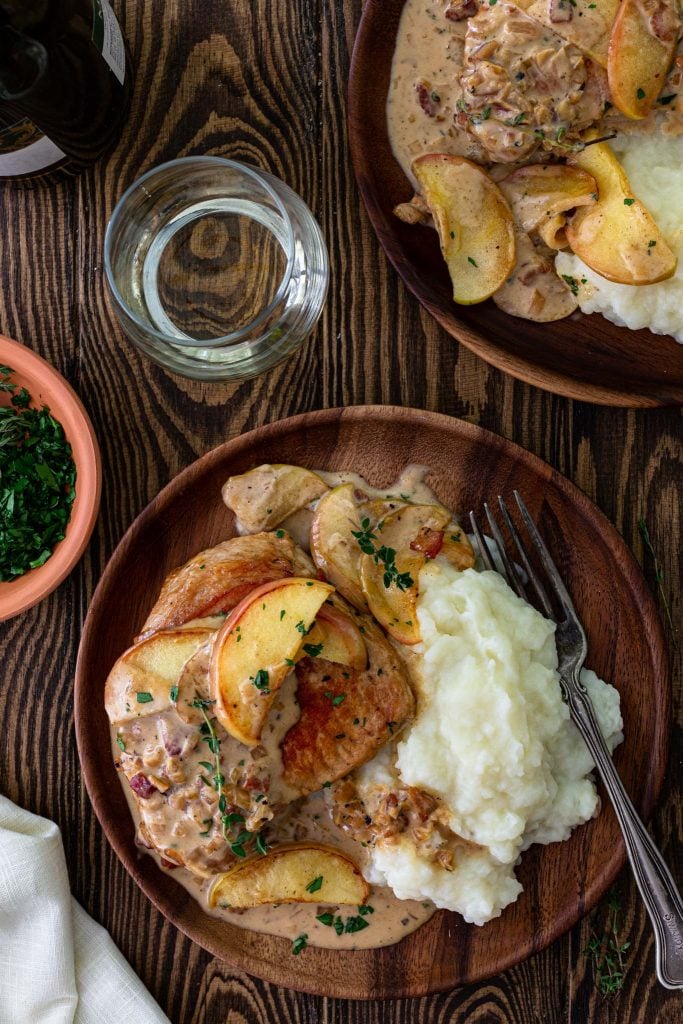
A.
pixel 617 237
pixel 541 195
pixel 640 55
pixel 303 873
pixel 403 542
pixel 255 651
pixel 264 497
pixel 336 637
pixel 334 549
pixel 143 679
pixel 474 223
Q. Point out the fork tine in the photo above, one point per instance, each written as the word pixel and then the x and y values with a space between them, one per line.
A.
pixel 482 545
pixel 546 558
pixel 512 574
pixel 528 568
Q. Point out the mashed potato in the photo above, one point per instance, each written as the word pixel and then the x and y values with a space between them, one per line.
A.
pixel 653 166
pixel 492 740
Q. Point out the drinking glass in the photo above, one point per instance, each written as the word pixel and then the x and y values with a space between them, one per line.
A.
pixel 218 270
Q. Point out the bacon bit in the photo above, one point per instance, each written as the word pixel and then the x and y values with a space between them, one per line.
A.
pixel 458 10
pixel 142 786
pixel 425 97
pixel 429 542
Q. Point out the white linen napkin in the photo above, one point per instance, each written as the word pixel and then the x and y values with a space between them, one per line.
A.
pixel 57 966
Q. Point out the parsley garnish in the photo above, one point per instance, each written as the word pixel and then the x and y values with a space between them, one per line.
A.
pixel 313 650
pixel 629 202
pixel 473 262
pixel 299 943
pixel 640 94
pixel 262 681
pixel 120 743
pixel 315 884
pixel 37 482
pixel 143 697
pixel 173 693
pixel 572 283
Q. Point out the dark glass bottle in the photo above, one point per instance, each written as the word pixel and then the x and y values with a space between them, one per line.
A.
pixel 65 83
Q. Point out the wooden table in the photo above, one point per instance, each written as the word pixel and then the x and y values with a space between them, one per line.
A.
pixel 264 81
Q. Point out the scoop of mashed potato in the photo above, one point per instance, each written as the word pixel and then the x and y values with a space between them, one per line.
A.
pixel 653 167
pixel 492 740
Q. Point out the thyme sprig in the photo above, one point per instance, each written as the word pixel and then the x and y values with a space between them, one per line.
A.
pixel 229 819
pixel 659 578
pixel 607 952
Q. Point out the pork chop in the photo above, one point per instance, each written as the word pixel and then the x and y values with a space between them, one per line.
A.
pixel 346 714
pixel 217 579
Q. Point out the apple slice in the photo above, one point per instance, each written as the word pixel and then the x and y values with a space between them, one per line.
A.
pixel 141 681
pixel 617 237
pixel 305 873
pixel 474 222
pixel 262 498
pixel 336 637
pixel 403 542
pixel 255 651
pixel 334 549
pixel 542 194
pixel 638 60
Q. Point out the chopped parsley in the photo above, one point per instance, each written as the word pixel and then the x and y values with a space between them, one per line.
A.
pixel 143 697
pixel 629 202
pixel 355 924
pixel 120 744
pixel 640 94
pixel 313 650
pixel 173 693
pixel 299 943
pixel 366 910
pixel 261 845
pixel 280 533
pixel 473 262
pixel 262 681
pixel 572 283
pixel 315 884
pixel 37 482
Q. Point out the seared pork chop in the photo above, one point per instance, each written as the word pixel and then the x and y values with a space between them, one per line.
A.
pixel 346 714
pixel 218 578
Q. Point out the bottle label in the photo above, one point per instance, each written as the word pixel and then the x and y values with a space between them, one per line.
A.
pixel 24 150
pixel 108 38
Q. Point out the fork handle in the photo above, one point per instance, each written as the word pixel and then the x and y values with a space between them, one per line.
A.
pixel 653 878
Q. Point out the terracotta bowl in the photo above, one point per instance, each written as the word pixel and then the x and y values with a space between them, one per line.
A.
pixel 47 387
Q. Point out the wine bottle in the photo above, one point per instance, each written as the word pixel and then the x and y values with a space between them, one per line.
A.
pixel 65 84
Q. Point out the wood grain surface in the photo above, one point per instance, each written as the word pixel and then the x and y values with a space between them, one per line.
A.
pixel 264 81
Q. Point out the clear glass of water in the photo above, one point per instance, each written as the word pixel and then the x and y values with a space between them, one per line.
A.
pixel 218 270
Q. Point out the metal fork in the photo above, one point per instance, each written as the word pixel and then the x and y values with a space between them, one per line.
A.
pixel 653 878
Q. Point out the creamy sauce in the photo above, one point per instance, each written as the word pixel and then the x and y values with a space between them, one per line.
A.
pixel 188 832
pixel 429 50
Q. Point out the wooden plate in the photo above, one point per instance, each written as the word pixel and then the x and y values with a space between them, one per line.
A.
pixel 561 882
pixel 584 357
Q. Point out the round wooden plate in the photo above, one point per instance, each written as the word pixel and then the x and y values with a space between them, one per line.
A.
pixel 470 465
pixel 584 357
